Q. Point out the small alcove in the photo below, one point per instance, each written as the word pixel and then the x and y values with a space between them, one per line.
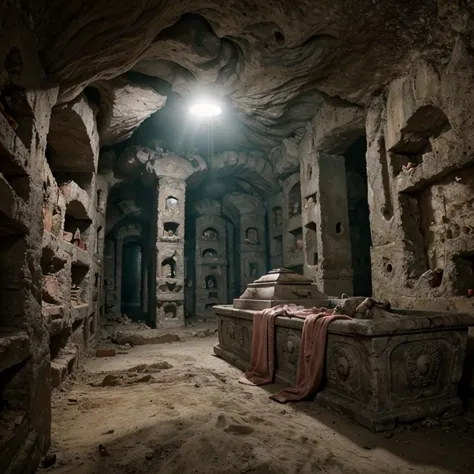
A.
pixel 210 253
pixel 211 282
pixel 294 201
pixel 168 268
pixel 171 203
pixel 170 229
pixel 210 234
pixel 251 236
pixel 277 216
pixel 170 310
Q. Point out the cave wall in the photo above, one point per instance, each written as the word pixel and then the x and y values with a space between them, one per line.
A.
pixel 25 113
pixel 420 172
pixel 421 180
pixel 73 235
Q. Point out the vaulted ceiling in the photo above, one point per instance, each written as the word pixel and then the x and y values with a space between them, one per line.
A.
pixel 272 63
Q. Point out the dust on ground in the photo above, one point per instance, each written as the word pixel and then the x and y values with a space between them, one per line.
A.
pixel 177 409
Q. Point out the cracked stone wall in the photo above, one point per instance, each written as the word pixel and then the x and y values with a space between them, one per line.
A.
pixel 419 164
pixel 73 235
pixel 25 113
pixel 420 171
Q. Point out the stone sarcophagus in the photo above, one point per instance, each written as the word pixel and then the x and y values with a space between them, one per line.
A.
pixel 379 372
pixel 396 370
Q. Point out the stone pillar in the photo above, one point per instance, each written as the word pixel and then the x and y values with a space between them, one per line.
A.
pixel 326 236
pixel 211 258
pixel 293 256
pixel 170 252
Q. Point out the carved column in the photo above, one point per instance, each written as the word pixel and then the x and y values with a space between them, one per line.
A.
pixel 211 258
pixel 172 172
pixel 170 248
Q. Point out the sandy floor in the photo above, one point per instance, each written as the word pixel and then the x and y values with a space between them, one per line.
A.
pixel 195 418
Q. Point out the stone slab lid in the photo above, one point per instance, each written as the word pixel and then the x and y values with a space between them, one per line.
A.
pixel 280 286
pixel 281 276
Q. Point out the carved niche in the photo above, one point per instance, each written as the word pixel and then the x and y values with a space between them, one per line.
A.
pixel 210 234
pixel 251 236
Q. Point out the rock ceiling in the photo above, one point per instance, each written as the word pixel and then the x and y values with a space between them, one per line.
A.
pixel 273 63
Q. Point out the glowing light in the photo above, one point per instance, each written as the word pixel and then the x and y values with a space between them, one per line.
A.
pixel 205 109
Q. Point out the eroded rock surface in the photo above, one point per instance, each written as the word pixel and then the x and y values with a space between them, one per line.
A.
pixel 274 63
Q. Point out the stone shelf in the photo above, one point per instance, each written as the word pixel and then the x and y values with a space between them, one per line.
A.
pixel 13 153
pixel 462 245
pixel 12 208
pixel 14 347
pixel 170 297
pixel 424 175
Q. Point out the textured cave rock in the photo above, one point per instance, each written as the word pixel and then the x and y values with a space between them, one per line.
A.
pixel 124 105
pixel 285 158
pixel 338 127
pixel 249 167
pixel 274 62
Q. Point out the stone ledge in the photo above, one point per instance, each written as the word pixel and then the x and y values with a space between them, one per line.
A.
pixel 426 174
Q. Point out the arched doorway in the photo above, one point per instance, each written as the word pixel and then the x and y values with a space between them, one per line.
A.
pixel 131 288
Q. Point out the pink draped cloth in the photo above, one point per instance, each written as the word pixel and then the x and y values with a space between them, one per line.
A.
pixel 310 368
